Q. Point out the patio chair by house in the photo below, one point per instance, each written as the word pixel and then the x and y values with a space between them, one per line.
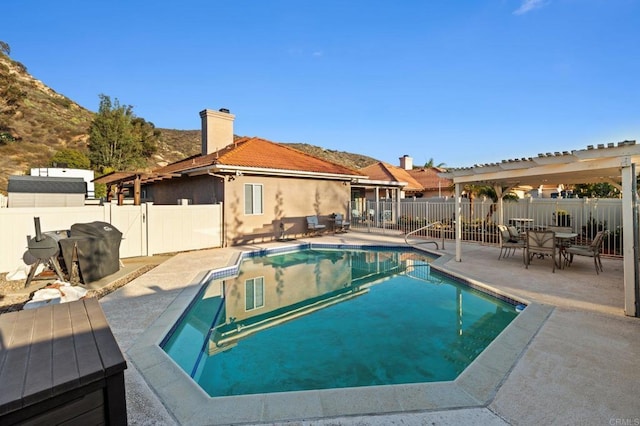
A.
pixel 342 225
pixel 313 226
pixel 540 243
pixel 590 250
pixel 508 243
pixel 356 217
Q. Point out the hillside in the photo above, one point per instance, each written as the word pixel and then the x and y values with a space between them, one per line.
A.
pixel 45 121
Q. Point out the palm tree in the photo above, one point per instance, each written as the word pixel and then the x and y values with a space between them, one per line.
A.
pixel 475 191
pixel 430 164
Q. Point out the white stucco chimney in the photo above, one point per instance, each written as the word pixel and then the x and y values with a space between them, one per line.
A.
pixel 217 129
pixel 406 162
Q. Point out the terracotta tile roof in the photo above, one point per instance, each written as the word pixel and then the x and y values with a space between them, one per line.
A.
pixel 259 153
pixel 429 178
pixel 384 171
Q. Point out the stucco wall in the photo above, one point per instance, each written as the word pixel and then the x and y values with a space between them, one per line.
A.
pixel 287 201
pixel 202 189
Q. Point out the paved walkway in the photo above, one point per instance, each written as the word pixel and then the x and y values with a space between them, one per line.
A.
pixel 581 367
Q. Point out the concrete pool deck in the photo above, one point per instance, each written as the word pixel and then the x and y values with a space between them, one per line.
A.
pixel 572 360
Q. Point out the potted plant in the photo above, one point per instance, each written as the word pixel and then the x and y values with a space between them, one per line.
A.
pixel 562 218
pixel 592 227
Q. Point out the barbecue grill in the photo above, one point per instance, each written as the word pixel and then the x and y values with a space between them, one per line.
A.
pixel 90 249
pixel 42 249
pixel 96 248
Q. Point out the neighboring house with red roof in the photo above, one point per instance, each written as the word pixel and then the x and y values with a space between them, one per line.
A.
pixel 384 184
pixel 429 178
pixel 267 189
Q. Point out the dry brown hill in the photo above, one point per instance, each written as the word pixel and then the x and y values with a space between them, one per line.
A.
pixel 46 121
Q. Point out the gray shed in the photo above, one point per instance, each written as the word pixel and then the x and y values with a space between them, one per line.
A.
pixel 40 191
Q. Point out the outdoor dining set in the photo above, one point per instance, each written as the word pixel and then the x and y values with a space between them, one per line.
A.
pixel 559 243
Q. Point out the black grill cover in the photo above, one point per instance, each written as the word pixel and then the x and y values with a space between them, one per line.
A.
pixel 98 248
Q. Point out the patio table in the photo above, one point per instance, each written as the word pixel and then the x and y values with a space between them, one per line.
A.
pixel 521 222
pixel 561 239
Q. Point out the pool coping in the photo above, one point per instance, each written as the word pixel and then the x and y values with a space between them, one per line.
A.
pixel 476 386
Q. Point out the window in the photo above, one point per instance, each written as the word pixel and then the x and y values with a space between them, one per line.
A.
pixel 252 198
pixel 254 293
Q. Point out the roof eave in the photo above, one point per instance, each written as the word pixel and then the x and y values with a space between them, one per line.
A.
pixel 230 169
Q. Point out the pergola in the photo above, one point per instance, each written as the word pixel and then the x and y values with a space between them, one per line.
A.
pixel 135 179
pixel 613 163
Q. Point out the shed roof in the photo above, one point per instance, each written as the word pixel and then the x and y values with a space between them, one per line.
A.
pixel 46 185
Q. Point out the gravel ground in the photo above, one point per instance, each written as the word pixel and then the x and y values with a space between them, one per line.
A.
pixel 11 301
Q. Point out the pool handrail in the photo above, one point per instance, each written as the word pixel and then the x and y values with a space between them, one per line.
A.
pixel 427 226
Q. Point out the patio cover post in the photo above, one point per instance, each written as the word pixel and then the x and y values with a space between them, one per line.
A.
pixel 398 205
pixel 630 238
pixel 458 218
pixel 498 189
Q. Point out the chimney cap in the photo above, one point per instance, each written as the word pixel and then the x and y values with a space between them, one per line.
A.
pixel 225 110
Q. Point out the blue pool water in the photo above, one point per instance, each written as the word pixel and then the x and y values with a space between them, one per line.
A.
pixel 328 318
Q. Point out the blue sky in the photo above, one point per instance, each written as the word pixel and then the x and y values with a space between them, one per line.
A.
pixel 462 82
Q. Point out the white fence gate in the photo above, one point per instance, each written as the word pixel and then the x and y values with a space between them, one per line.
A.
pixel 147 229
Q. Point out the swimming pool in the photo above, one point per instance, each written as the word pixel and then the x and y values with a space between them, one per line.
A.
pixel 189 404
pixel 319 317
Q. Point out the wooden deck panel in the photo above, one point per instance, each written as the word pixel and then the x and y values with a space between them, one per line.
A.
pixel 88 358
pixel 37 382
pixel 65 363
pixel 15 363
pixel 60 361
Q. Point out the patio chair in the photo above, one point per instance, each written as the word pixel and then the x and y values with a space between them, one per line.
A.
pixel 356 217
pixel 508 244
pixel 540 243
pixel 341 224
pixel 313 226
pixel 590 250
pixel 515 234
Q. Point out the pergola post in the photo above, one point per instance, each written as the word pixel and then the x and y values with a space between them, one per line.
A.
pixel 458 224
pixel 630 239
pixel 136 191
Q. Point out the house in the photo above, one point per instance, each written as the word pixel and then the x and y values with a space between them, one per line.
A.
pixel 38 191
pixel 383 172
pixel 385 185
pixel 267 189
pixel 428 177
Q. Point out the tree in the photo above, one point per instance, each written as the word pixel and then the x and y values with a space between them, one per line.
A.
pixel 71 158
pixel 596 190
pixel 430 164
pixel 474 191
pixel 145 132
pixel 118 139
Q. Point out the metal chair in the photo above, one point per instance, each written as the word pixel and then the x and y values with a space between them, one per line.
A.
pixel 313 226
pixel 540 243
pixel 590 250
pixel 341 224
pixel 508 244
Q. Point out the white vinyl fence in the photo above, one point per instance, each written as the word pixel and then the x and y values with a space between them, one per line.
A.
pixel 585 216
pixel 147 229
